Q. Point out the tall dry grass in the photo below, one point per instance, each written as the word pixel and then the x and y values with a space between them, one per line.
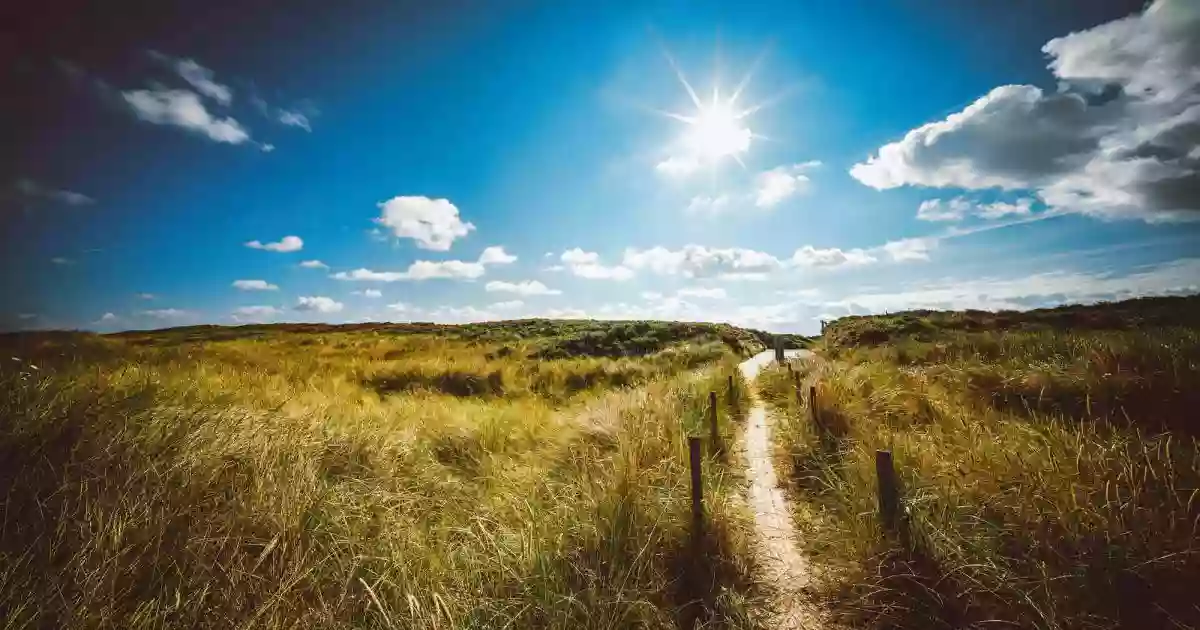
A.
pixel 269 483
pixel 1051 478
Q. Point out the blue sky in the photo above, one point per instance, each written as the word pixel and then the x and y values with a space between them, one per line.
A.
pixel 480 162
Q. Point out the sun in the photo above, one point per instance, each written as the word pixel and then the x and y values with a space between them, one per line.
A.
pixel 716 130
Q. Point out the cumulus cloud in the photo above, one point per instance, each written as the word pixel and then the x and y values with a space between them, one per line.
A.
pixel 585 264
pixel 369 293
pixel 1118 141
pixel 910 249
pixel 106 318
pixel 314 264
pixel 496 256
pixel 774 186
pixel 429 270
pixel 286 244
pixel 254 285
pixel 183 108
pixel 433 223
pixel 319 304
pixel 526 288
pixel 812 257
pixel 692 261
pixel 32 189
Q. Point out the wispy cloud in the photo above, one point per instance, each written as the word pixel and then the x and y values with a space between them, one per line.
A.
pixel 314 264
pixel 526 288
pixel 183 108
pixel 431 270
pixel 32 189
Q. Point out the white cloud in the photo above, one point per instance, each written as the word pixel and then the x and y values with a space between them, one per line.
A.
pixel 201 78
pixel 1001 209
pixel 699 292
pixel 587 265
pixel 527 288
pixel 399 306
pixel 314 264
pixel 774 186
pixel 429 270
pixel 433 223
pixel 833 257
pixel 319 304
pixel 651 295
pixel 506 306
pixel 1118 141
pixel 286 244
pixel 1177 277
pixel 266 147
pixel 146 296
pixel 30 188
pixel 182 108
pixel 958 208
pixel 254 285
pixel 910 249
pixel 167 313
pixel 703 204
pixel 59 260
pixel 943 210
pixel 294 119
pixel 495 255
pixel 108 317
pixel 368 293
pixel 693 261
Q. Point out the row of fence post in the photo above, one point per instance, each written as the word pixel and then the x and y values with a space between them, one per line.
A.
pixel 888 486
pixel 885 468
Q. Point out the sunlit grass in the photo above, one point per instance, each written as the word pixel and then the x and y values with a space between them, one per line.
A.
pixel 153 481
pixel 1051 477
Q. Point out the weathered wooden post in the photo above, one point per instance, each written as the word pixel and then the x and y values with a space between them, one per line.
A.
pixel 697 491
pixel 779 348
pixel 731 392
pixel 714 435
pixel 813 410
pixel 889 493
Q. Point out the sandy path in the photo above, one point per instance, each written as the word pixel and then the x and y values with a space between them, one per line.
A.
pixel 784 567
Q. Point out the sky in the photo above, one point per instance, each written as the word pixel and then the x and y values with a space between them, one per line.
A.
pixel 769 164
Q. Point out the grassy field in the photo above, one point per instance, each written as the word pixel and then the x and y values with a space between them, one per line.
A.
pixel 1049 466
pixel 526 474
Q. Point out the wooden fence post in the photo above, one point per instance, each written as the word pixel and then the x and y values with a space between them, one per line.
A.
pixel 732 392
pixel 889 495
pixel 778 349
pixel 714 434
pixel 813 410
pixel 697 491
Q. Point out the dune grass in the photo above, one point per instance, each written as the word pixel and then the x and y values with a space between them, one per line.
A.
pixel 1051 477
pixel 361 478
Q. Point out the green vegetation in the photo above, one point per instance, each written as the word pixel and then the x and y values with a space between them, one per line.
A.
pixel 389 476
pixel 1049 466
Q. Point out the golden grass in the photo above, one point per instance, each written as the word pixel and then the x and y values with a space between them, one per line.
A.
pixel 1051 478
pixel 272 482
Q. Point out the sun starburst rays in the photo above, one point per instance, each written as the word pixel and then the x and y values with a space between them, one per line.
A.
pixel 717 129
